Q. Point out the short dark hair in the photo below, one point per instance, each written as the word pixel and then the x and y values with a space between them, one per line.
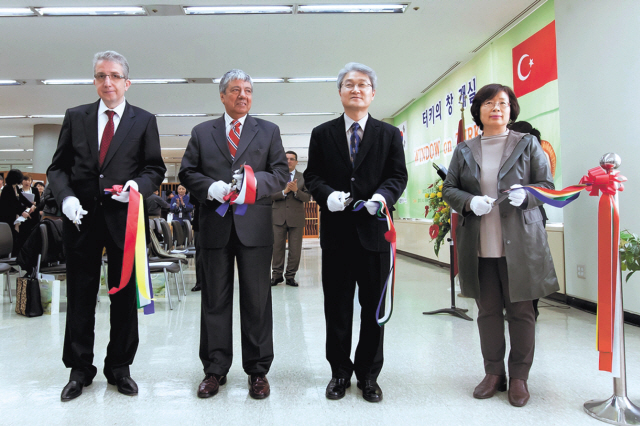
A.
pixel 488 92
pixel 38 184
pixel 291 152
pixel 526 127
pixel 14 177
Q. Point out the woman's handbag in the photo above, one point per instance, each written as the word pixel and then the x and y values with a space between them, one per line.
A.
pixel 28 297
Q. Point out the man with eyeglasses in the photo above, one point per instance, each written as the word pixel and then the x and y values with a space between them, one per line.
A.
pixel 243 233
pixel 354 157
pixel 106 143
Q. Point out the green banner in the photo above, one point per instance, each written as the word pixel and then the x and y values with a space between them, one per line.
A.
pixel 430 124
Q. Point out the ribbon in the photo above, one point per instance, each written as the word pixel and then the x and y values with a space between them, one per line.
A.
pixel 246 195
pixel 389 285
pixel 609 303
pixel 135 251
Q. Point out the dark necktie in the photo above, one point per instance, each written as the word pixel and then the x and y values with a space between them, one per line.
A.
pixel 107 135
pixel 355 142
pixel 233 138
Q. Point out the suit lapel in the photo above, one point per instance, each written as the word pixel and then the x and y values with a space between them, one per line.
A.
pixel 246 136
pixel 91 130
pixel 219 135
pixel 472 154
pixel 370 136
pixel 340 139
pixel 514 147
pixel 126 122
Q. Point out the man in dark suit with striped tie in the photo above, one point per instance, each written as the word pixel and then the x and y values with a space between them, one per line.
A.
pixel 103 144
pixel 354 157
pixel 213 159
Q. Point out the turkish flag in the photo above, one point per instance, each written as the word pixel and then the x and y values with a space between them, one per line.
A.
pixel 534 61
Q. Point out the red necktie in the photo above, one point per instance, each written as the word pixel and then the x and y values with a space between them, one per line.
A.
pixel 107 135
pixel 233 138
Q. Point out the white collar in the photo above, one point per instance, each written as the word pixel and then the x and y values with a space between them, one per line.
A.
pixel 118 110
pixel 348 122
pixel 228 120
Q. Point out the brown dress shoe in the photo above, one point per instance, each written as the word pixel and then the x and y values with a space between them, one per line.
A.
pixel 518 392
pixel 489 386
pixel 210 385
pixel 259 386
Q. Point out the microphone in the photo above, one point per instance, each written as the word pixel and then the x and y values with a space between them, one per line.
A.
pixel 441 171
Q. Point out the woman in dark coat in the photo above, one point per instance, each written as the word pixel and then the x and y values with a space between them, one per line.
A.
pixel 13 205
pixel 180 205
pixel 503 254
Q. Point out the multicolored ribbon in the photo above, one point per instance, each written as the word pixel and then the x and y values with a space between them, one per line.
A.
pixel 135 251
pixel 246 195
pixel 555 198
pixel 389 285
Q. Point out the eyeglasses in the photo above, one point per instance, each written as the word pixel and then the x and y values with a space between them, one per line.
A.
pixel 501 104
pixel 360 86
pixel 113 77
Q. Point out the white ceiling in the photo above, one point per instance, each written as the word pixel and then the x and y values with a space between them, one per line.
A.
pixel 408 51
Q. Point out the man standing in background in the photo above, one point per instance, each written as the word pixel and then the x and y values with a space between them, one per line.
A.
pixel 288 224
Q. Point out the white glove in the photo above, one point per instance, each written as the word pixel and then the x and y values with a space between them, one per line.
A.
pixel 336 200
pixel 517 195
pixel 239 177
pixel 481 204
pixel 123 197
pixel 372 205
pixel 73 210
pixel 218 190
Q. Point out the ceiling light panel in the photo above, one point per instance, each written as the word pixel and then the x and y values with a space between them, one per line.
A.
pixel 62 82
pixel 312 79
pixel 236 10
pixel 9 82
pixel 91 11
pixel 352 8
pixel 159 80
pixel 16 11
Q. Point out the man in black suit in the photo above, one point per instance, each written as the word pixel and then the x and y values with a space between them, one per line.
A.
pixel 354 157
pixel 213 158
pixel 103 144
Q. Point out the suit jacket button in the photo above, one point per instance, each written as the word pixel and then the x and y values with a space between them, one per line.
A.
pixel 504 215
pixel 353 179
pixel 508 241
pixel 101 176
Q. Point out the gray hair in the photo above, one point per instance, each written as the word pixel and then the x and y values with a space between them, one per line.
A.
pixel 234 74
pixel 354 66
pixel 112 56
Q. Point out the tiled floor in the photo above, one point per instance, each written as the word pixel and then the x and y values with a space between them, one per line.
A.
pixel 432 364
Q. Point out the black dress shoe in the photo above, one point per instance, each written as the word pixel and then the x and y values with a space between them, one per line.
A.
pixel 73 389
pixel 196 287
pixel 126 385
pixel 292 282
pixel 370 390
pixel 210 385
pixel 275 281
pixel 337 388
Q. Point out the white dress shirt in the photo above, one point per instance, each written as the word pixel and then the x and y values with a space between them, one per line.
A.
pixel 103 118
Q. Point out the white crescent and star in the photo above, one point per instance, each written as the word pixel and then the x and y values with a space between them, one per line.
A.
pixel 520 76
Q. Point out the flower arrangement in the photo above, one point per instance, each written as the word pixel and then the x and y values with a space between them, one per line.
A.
pixel 629 253
pixel 441 214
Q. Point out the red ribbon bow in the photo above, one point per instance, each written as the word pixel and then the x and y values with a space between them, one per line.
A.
pixel 598 180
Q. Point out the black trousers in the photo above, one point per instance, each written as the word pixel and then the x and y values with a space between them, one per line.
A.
pixel 84 259
pixel 494 299
pixel 341 269
pixel 256 321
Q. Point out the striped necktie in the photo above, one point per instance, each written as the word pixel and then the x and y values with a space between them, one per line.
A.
pixel 233 138
pixel 355 142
